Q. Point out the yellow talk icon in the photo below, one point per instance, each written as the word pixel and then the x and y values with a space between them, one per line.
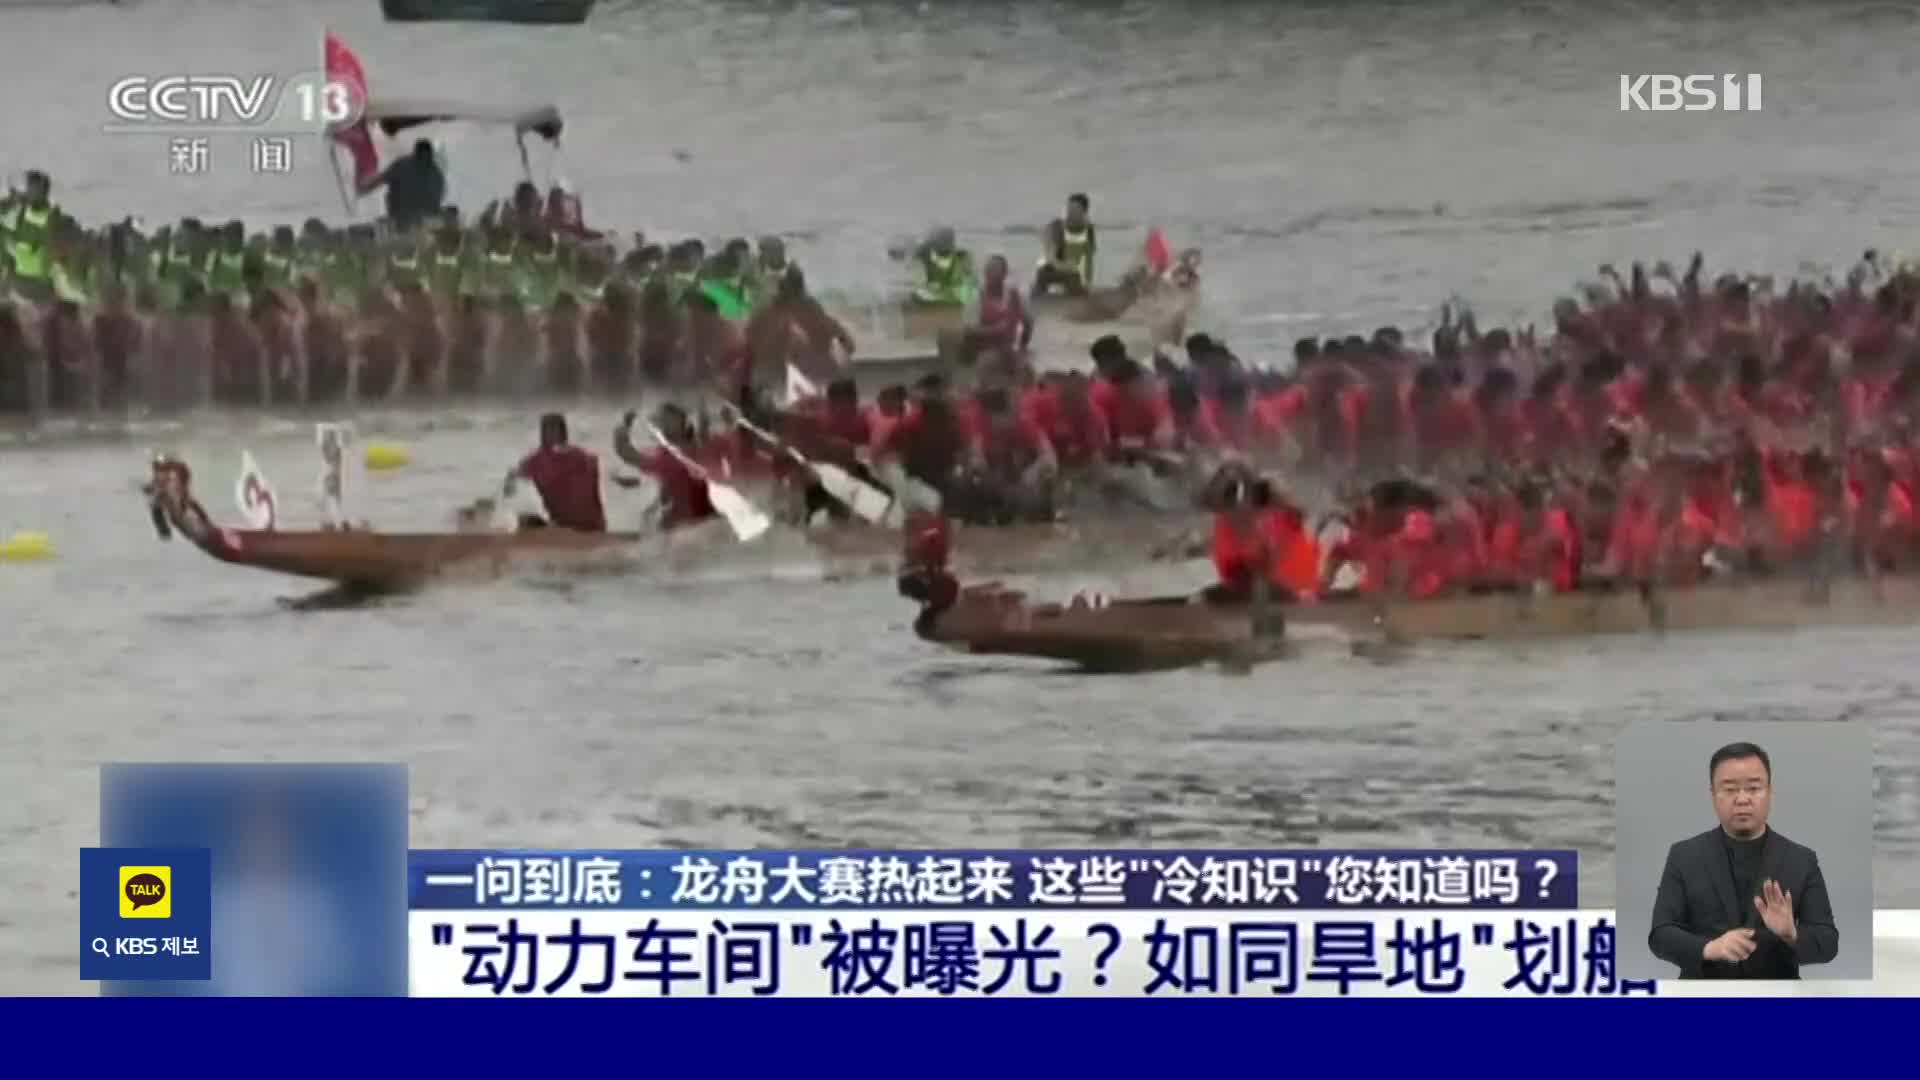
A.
pixel 146 892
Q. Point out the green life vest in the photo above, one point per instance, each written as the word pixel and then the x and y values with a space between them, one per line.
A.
pixel 449 273
pixel 726 296
pixel 1075 254
pixel 403 269
pixel 541 280
pixel 680 281
pixel 279 269
pixel 27 242
pixel 500 276
pixel 71 286
pixel 345 277
pixel 949 279
pixel 226 272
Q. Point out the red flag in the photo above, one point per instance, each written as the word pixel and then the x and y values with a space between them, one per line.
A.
pixel 343 67
pixel 1159 256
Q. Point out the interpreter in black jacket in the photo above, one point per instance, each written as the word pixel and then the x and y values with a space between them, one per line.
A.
pixel 1742 901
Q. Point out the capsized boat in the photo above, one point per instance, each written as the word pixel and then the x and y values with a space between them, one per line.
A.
pixel 536 12
pixel 1089 633
pixel 1086 632
pixel 361 560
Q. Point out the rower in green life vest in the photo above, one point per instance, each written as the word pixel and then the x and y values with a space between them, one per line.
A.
pixel 340 270
pixel 769 268
pixel 447 270
pixel 1067 266
pixel 540 267
pixel 725 282
pixel 498 274
pixel 277 261
pixel 641 266
pixel 946 272
pixel 28 228
pixel 402 261
pixel 227 263
pixel 683 268
pixel 176 259
pixel 70 263
pixel 591 274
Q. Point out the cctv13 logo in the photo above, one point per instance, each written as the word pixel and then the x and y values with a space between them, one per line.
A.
pixel 146 892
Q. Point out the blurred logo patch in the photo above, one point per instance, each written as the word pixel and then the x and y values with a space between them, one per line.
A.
pixel 146 892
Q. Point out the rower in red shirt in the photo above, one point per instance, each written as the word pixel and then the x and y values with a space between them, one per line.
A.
pixel 931 442
pixel 683 493
pixel 1017 462
pixel 889 408
pixel 1193 427
pixel 1002 328
pixel 1136 412
pixel 842 415
pixel 1258 534
pixel 566 476
pixel 1793 504
pixel 1535 543
pixel 1444 425
pixel 1237 422
pixel 1063 408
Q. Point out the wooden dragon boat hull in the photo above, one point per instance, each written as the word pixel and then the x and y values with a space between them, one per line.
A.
pixel 1176 631
pixel 1749 605
pixel 376 562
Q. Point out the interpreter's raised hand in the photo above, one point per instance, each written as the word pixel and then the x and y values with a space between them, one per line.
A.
pixel 1776 910
pixel 1731 947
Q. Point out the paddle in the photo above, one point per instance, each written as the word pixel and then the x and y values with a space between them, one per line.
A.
pixel 872 504
pixel 746 520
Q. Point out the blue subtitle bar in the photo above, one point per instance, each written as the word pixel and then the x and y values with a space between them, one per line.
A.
pixel 468 880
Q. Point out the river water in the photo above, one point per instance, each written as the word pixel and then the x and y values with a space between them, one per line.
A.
pixel 1343 165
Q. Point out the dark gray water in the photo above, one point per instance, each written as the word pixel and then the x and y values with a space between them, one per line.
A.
pixel 1343 166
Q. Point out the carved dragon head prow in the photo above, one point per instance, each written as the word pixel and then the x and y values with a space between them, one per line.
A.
pixel 170 501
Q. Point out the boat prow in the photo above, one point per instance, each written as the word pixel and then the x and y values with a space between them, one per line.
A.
pixel 362 560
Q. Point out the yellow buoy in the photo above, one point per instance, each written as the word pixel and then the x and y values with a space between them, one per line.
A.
pixel 386 455
pixel 26 546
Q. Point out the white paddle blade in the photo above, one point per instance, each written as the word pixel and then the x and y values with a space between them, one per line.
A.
pixel 747 521
pixel 862 498
pixel 254 495
pixel 799 387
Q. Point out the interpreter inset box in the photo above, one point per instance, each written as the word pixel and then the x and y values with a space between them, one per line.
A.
pixel 303 867
pixel 1744 850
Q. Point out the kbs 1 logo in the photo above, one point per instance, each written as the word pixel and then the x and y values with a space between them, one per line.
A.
pixel 146 892
pixel 216 104
pixel 1689 93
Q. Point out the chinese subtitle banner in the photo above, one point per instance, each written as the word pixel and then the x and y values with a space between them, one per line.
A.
pixel 796 881
pixel 851 953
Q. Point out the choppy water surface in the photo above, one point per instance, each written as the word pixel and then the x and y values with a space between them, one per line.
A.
pixel 1343 166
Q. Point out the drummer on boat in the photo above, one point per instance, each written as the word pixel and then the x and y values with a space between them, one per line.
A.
pixel 567 478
